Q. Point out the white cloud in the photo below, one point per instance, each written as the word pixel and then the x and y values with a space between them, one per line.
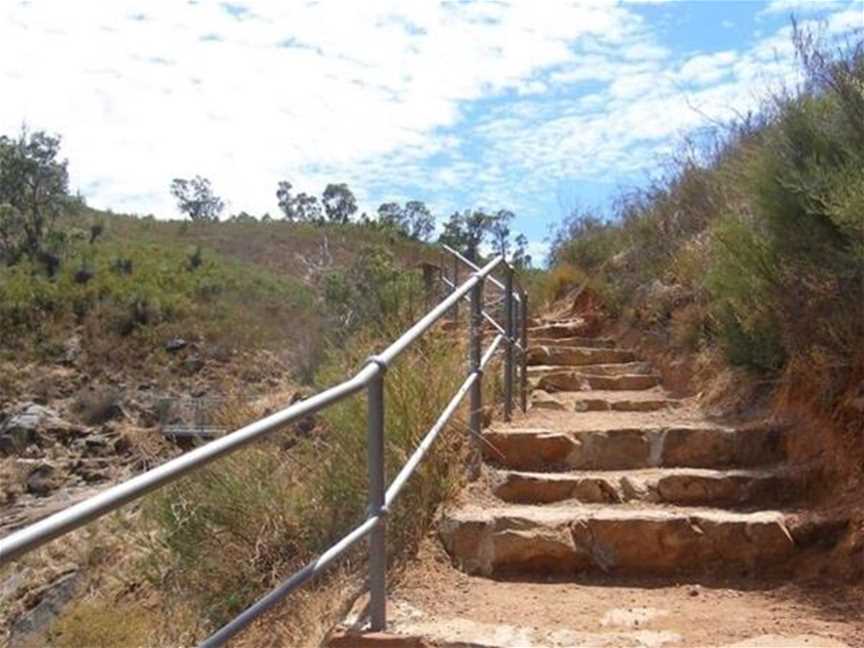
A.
pixel 801 6
pixel 144 91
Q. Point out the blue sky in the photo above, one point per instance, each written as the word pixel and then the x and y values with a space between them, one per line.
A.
pixel 532 105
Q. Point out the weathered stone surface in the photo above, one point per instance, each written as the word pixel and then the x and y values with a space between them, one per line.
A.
pixel 30 424
pixel 581 381
pixel 626 448
pixel 566 329
pixel 51 599
pixel 611 369
pixel 352 639
pixel 587 342
pixel 748 446
pixel 42 479
pixel 645 540
pixel 576 356
pixel 682 486
pixel 601 401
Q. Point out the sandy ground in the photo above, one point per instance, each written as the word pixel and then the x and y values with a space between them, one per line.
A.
pixel 436 601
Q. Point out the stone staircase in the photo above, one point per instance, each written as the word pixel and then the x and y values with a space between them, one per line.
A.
pixel 610 474
pixel 598 514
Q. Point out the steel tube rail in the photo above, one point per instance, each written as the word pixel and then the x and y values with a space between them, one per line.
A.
pixel 523 359
pixel 474 357
pixel 311 570
pixel 509 302
pixel 484 313
pixel 20 542
pixel 422 325
pixel 410 466
pixel 490 352
pixel 473 266
pixel 378 536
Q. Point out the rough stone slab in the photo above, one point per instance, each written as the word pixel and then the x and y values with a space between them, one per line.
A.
pixel 582 341
pixel 602 401
pixel 681 486
pixel 606 369
pixel 613 539
pixel 629 448
pixel 565 329
pixel 576 356
pixel 582 381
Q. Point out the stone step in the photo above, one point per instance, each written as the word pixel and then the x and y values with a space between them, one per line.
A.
pixel 681 486
pixel 627 448
pixel 535 372
pixel 603 401
pixel 576 356
pixel 648 539
pixel 581 381
pixel 579 341
pixel 561 329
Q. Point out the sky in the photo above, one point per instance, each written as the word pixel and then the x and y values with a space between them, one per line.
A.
pixel 537 106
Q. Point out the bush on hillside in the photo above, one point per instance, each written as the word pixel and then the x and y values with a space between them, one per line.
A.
pixel 762 226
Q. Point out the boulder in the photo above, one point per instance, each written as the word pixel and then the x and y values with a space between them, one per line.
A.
pixel 33 424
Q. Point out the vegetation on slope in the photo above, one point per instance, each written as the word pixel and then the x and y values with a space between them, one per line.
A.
pixel 754 245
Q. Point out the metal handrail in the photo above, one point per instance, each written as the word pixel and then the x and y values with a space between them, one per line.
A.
pixel 371 377
pixel 484 313
pixel 475 267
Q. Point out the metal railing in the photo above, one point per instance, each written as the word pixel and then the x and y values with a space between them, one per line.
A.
pixel 371 378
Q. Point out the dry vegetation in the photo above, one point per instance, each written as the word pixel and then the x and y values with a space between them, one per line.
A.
pixel 743 271
pixel 188 558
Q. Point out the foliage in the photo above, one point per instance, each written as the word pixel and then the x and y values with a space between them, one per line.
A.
pixel 33 191
pixel 373 289
pixel 301 208
pixel 196 199
pixel 136 288
pixel 230 533
pixel 413 221
pixel 339 203
pixel 760 228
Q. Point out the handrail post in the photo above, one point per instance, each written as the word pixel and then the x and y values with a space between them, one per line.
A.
pixel 524 359
pixel 455 286
pixel 508 349
pixel 378 535
pixel 474 358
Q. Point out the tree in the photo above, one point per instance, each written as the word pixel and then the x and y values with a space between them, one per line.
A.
pixel 500 229
pixel 418 220
pixel 285 199
pixel 521 260
pixel 33 192
pixel 339 203
pixel 301 208
pixel 466 232
pixel 195 198
pixel 391 215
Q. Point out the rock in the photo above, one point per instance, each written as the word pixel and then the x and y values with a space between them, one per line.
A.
pixel 53 598
pixel 643 540
pixel 193 364
pixel 42 480
pixel 30 425
pixel 71 350
pixel 175 344
pixel 576 356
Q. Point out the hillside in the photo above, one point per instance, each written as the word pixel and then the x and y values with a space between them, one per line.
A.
pixel 153 316
pixel 741 274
